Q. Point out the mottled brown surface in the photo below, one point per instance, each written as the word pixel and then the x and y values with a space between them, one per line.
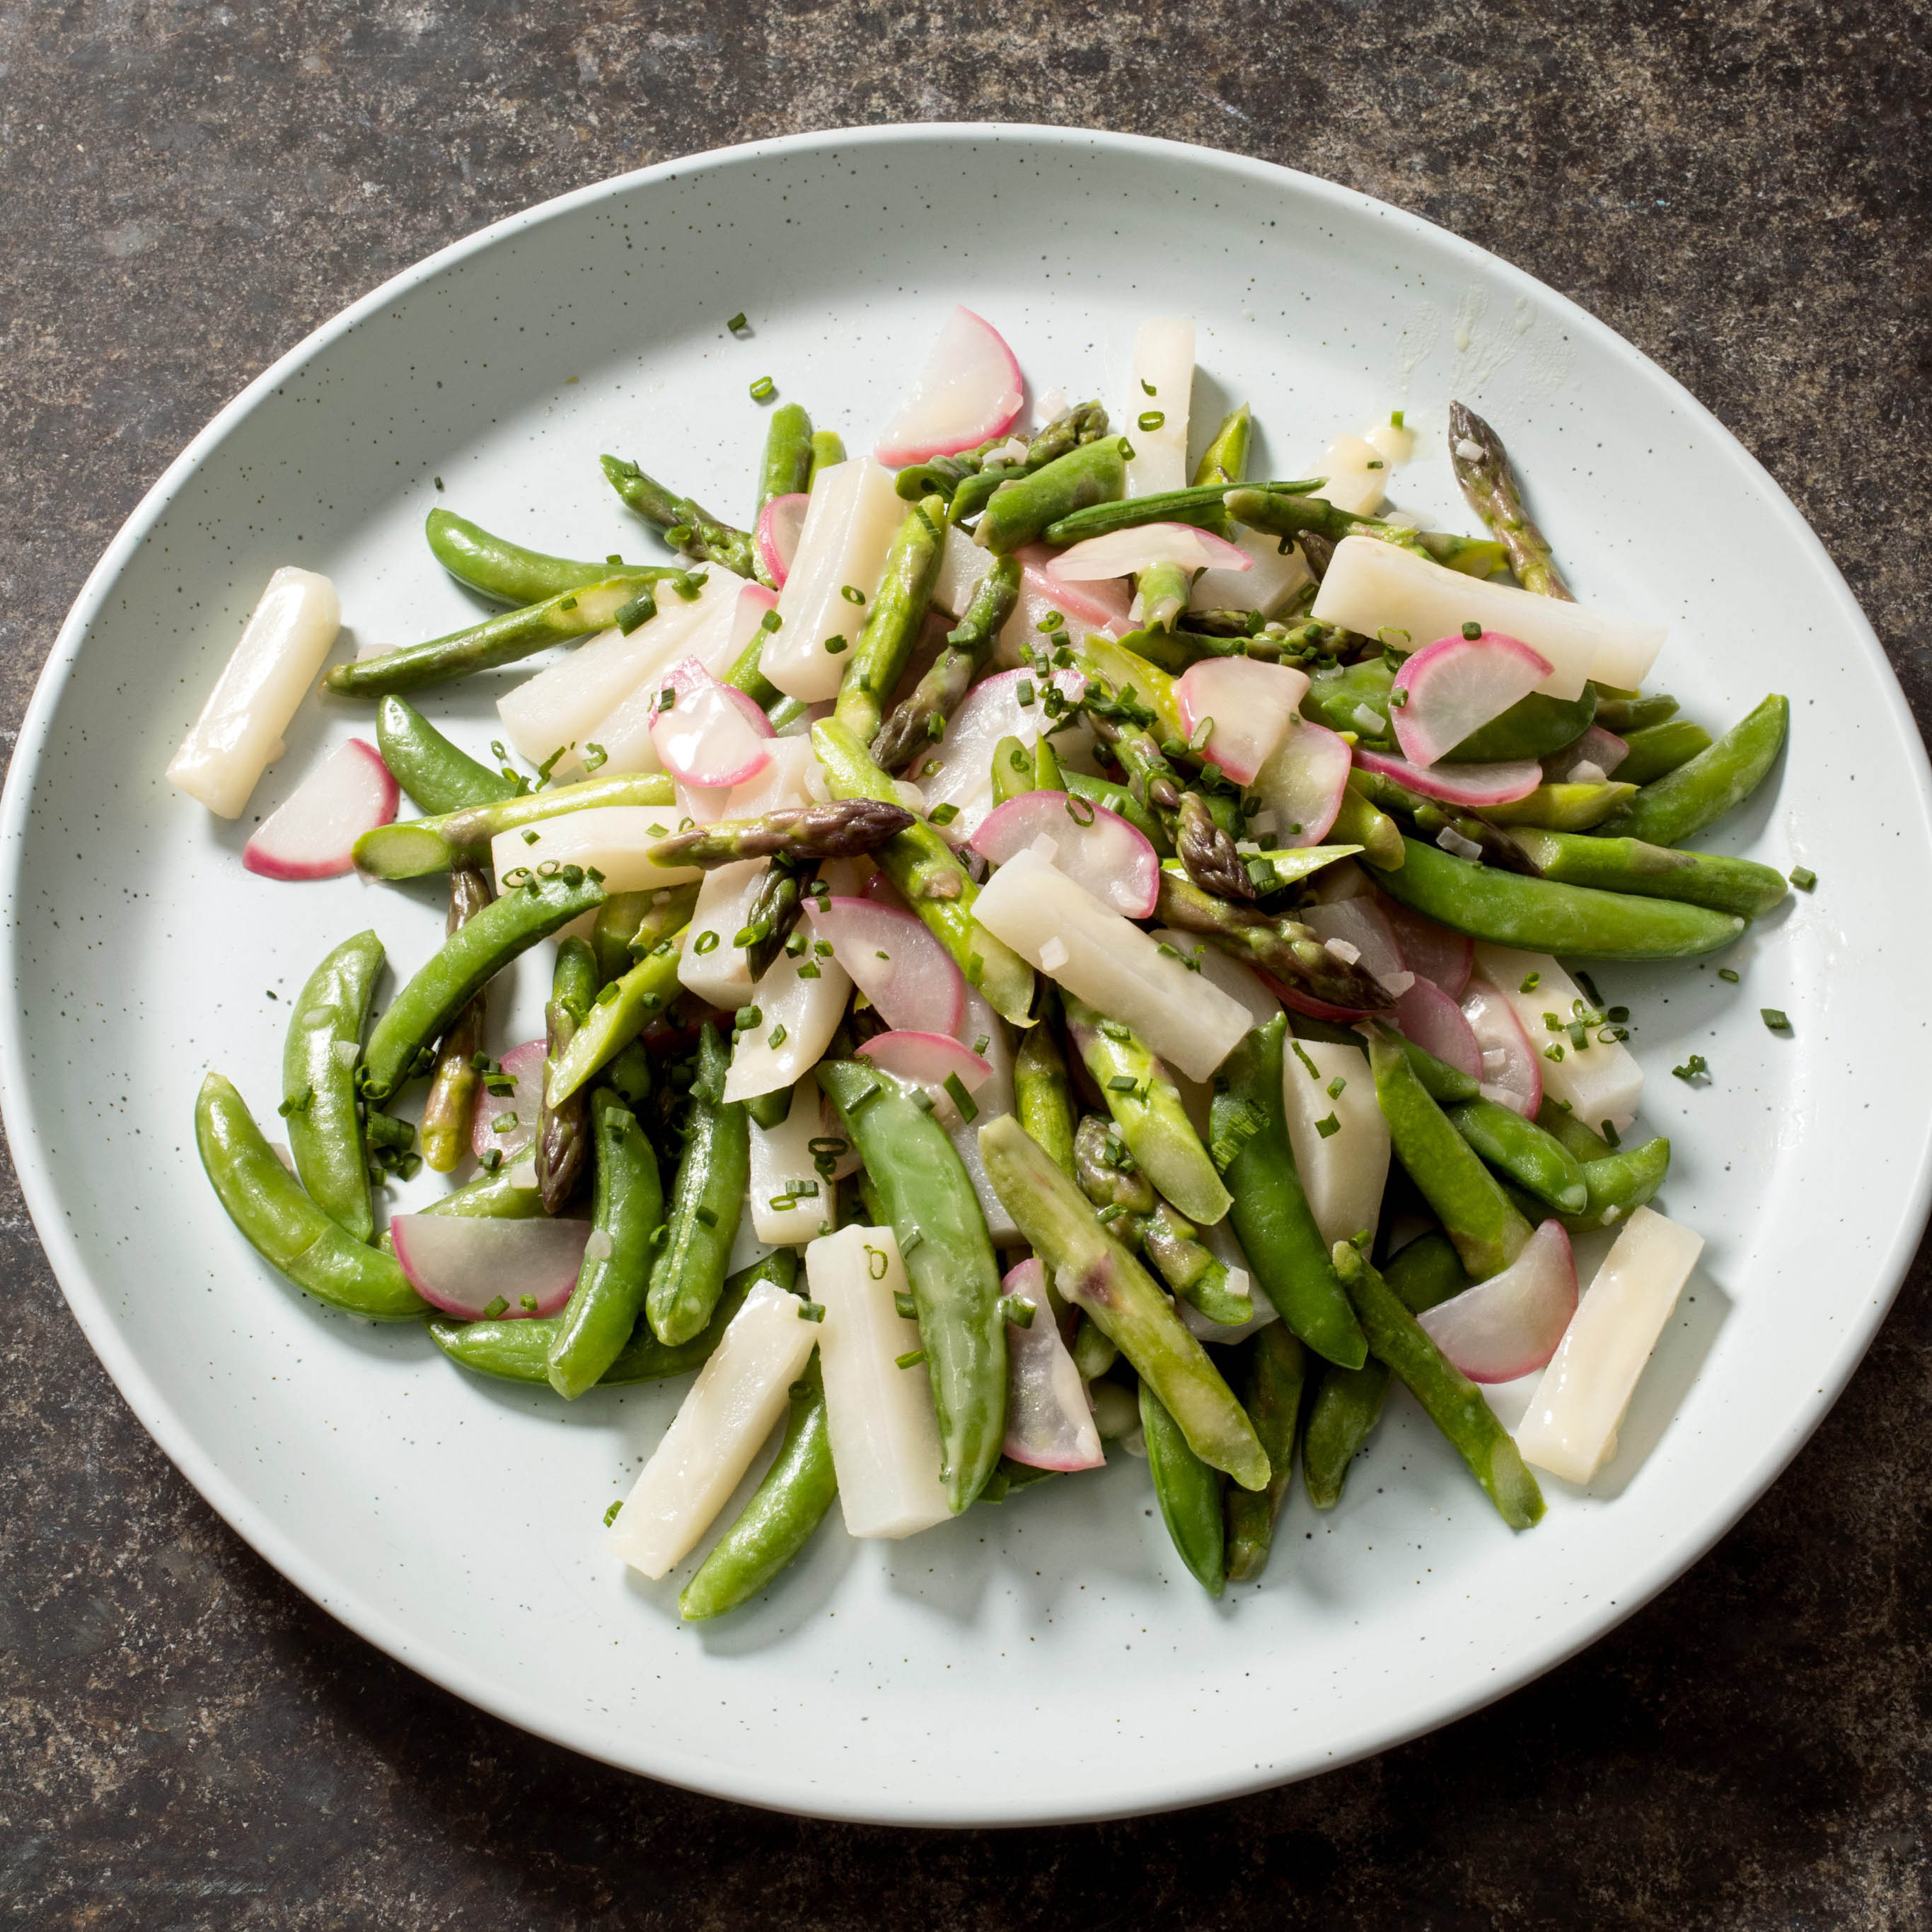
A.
pixel 186 190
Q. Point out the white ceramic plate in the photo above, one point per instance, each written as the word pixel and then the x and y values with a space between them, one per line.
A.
pixel 1050 1659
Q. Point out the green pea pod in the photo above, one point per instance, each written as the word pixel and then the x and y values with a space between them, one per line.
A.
pixel 1013 770
pixel 1569 807
pixel 898 608
pixel 1270 1214
pixel 618 921
pixel 798 1490
pixel 512 574
pixel 1353 698
pixel 1019 511
pixel 827 450
pixel 563 1127
pixel 1659 749
pixel 1117 799
pixel 435 775
pixel 1626 715
pixel 1519 1149
pixel 926 1196
pixel 319 1083
pixel 1359 822
pixel 1275 1370
pixel 1188 1492
pixel 283 1224
pixel 471 957
pixel 494 1197
pixel 1047 775
pixel 1093 1350
pixel 1224 463
pixel 1616 1183
pixel 785 468
pixel 1680 805
pixel 619 1014
pixel 1739 886
pixel 597 1321
pixel 707 1200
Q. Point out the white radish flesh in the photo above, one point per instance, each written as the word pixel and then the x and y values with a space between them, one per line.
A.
pixel 961 564
pixel 1473 786
pixel 312 834
pixel 1246 706
pixel 615 838
pixel 969 392
pixel 780 523
pixel 467 1264
pixel 880 1417
pixel 1092 846
pixel 724 1420
pixel 852 516
pixel 704 738
pixel 1600 751
pixel 1510 1325
pixel 1455 686
pixel 1601 1079
pixel 1049 1421
pixel 1357 925
pixel 239 734
pixel 1512 1070
pixel 1302 781
pixel 791 1199
pixel 1342 1172
pixel 895 961
pixel 959 771
pixel 1163 388
pixel 1127 553
pixel 929 1060
pixel 1271 578
pixel 800 1011
pixel 1427 1015
pixel 1430 950
pixel 507 1122
pixel 1574 1418
pixel 1238 981
pixel 990 1038
pixel 1104 607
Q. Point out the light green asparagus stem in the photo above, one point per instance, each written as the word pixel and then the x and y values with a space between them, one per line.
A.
pixel 1488 481
pixel 919 721
pixel 1285 516
pixel 1224 460
pixel 843 828
pixel 621 1012
pixel 893 624
pixel 686 526
pixel 1292 952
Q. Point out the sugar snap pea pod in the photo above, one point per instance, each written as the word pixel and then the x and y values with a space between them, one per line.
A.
pixel 471 957
pixel 1117 799
pixel 597 1321
pixel 319 1083
pixel 444 1131
pixel 1454 1403
pixel 1615 1180
pixel 1698 793
pixel 1348 1402
pixel 1521 1151
pixel 1283 514
pixel 1273 1373
pixel 1488 480
pixel 925 1193
pixel 1626 715
pixel 1205 506
pixel 512 574
pixel 970 478
pixel 1540 916
pixel 930 878
pixel 1532 727
pixel 1093 1271
pixel 1564 808
pixel 618 920
pixel 1042 1098
pixel 1047 775
pixel 892 623
pixel 1021 509
pixel 1359 822
pixel 436 776
pixel 707 1199
pixel 1445 1084
pixel 1353 698
pixel 563 1129
pixel 798 1490
pixel 1289 950
pixel 1413 812
pixel 413 847
pixel 1146 1106
pixel 619 1013
pixel 920 720
pixel 1659 749
pixel 1475 1213
pixel 1224 460
pixel 785 468
pixel 1271 1215
pixel 1188 1492
pixel 1163 589
pixel 283 1224
pixel 1012 770
pixel 686 525
pixel 1739 886
pixel 494 1197
pixel 1093 1351
pixel 828 448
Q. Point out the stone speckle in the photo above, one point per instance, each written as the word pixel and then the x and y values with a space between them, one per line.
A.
pixel 1740 190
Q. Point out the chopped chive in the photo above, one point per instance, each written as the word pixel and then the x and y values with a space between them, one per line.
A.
pixel 776 1038
pixel 1472 630
pixel 908 1309
pixel 1553 1053
pixel 494 1307
pixel 594 755
pixel 1080 810
pixel 1531 981
pixel 1694 1070
pixel 771 621
pixel 611 1514
pixel 910 1359
pixel 1803 877
pixel 1610 1134
pixel 1301 1055
pixel 1147 389
pixel 763 389
pixel 851 593
pixel 942 814
pixel 876 1263
pixel 914 1237
pixel 1337 1086
pixel 811 1311
pixel 706 1215
pixel 1327 1127
pixel 955 1088
pixel 706 942
pixel 835 645
pixel 1122 1083
pixel 1150 420
pixel 1728 975
pixel 1773 1019
pixel 737 323
pixel 1023 692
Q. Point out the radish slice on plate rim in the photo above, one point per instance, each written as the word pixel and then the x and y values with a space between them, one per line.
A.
pixel 1095 848
pixel 312 834
pixel 970 392
pixel 1511 1324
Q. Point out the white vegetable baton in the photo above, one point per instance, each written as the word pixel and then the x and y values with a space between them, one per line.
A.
pixel 1600 1079
pixel 732 1407
pixel 1335 1128
pixel 1156 418
pixel 790 1200
pixel 1571 1428
pixel 800 1003
pixel 884 1430
pixel 239 734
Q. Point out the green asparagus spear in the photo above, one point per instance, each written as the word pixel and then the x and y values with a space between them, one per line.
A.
pixel 1205 506
pixel 683 524
pixel 845 828
pixel 1021 509
pixel 563 1131
pixel 1301 516
pixel 445 1131
pixel 1224 461
pixel 785 469
pixel 827 451
pixel 622 1010
pixel 1276 1368
pixel 920 720
pixel 1291 952
pixel 892 623
pixel 1207 852
pixel 1488 481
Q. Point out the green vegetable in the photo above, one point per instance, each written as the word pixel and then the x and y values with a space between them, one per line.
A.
pixel 642 994
pixel 1188 1492
pixel 563 1127
pixel 1740 887
pixel 319 1083
pixel 512 574
pixel 1520 1149
pixel 892 623
pixel 846 828
pixel 1275 1368
pixel 1289 951
pixel 1285 515
pixel 1680 804
pixel 434 774
pixel 1489 482
pixel 1224 463
pixel 1661 749
pixel 1019 512
pixel 1043 1099
pixel 448 1112
pixel 919 722
pixel 682 523
pixel 707 1199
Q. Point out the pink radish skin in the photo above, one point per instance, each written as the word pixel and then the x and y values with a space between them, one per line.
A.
pixel 1603 749
pixel 462 1264
pixel 524 1065
pixel 1510 1324
pixel 312 834
pixel 754 602
pixel 1427 1015
pixel 1301 782
pixel 1431 950
pixel 970 391
pixel 1456 686
pixel 1510 1073
pixel 1250 704
pixel 708 738
pixel 926 1059
pixel 1359 923
pixel 880 890
pixel 1474 786
pixel 1049 1421
pixel 777 534
pixel 915 986
pixel 1102 605
pixel 1098 849
pixel 1127 553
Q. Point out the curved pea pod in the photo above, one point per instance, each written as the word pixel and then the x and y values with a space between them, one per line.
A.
pixel 1661 749
pixel 1701 790
pixel 512 574
pixel 1275 1370
pixel 1536 1161
pixel 707 1198
pixel 1632 866
pixel 1188 1492
pixel 1021 508
pixel 621 1012
pixel 493 1196
pixel 1042 1096
pixel 1540 916
pixel 1615 1180
pixel 1532 727
pixel 283 1224
pixel 436 775
pixel 1358 822
pixel 563 1129
pixel 1568 807
pixel 324 1038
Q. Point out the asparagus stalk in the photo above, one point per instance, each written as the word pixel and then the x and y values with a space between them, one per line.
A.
pixel 1042 1097
pixel 769 919
pixel 1290 952
pixel 1020 510
pixel 1084 423
pixel 686 526
pixel 892 624
pixel 444 1134
pixel 1224 461
pixel 1301 518
pixel 1488 480
pixel 919 721
pixel 843 828
pixel 1208 852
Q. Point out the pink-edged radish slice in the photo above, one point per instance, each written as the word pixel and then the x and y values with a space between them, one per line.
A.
pixel 1301 785
pixel 1094 847
pixel 312 834
pixel 1297 1001
pixel 1510 1324
pixel 754 602
pixel 516 1110
pixel 1244 706
pixel 479 1269
pixel 1431 950
pixel 880 890
pixel 1126 553
pixel 779 524
pixel 1511 1074
pixel 1100 605
pixel 929 1060
pixel 970 392
pixel 1049 1421
pixel 1427 1015
pixel 895 961
pixel 1456 686
pixel 707 738
pixel 1474 786
pixel 1354 930
pixel 1590 760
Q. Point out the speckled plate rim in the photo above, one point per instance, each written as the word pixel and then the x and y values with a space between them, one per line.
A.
pixel 176 1437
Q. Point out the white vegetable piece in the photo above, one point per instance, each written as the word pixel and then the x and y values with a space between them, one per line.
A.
pixel 883 1430
pixel 1571 1427
pixel 1408 601
pixel 1239 983
pixel 996 1097
pixel 1352 485
pixel 1163 385
pixel 1271 580
pixel 961 564
pixel 239 734
pixel 624 731
pixel 732 1407
pixel 782 1165
pixel 1109 962
pixel 1342 1173
pixel 849 526
pixel 615 838
pixel 808 1010
pixel 1601 1080
pixel 963 777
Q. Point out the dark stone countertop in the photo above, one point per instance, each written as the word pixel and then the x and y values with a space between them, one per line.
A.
pixel 186 190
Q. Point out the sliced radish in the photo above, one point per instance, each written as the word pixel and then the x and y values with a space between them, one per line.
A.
pixel 779 523
pixel 880 890
pixel 1474 786
pixel 1297 1001
pixel 1510 1324
pixel 707 738
pixel 970 391
pixel 754 604
pixel 468 1264
pixel 1096 847
pixel 1102 606
pixel 1511 1074
pixel 312 834
pixel 1456 686
pixel 929 1060
pixel 895 961
pixel 516 1110
pixel 1049 1421
pixel 1354 930
pixel 963 758
pixel 1126 553
pixel 1431 950
pixel 1245 705
pixel 1427 1015
pixel 1599 1081
pixel 1301 784
pixel 1590 760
